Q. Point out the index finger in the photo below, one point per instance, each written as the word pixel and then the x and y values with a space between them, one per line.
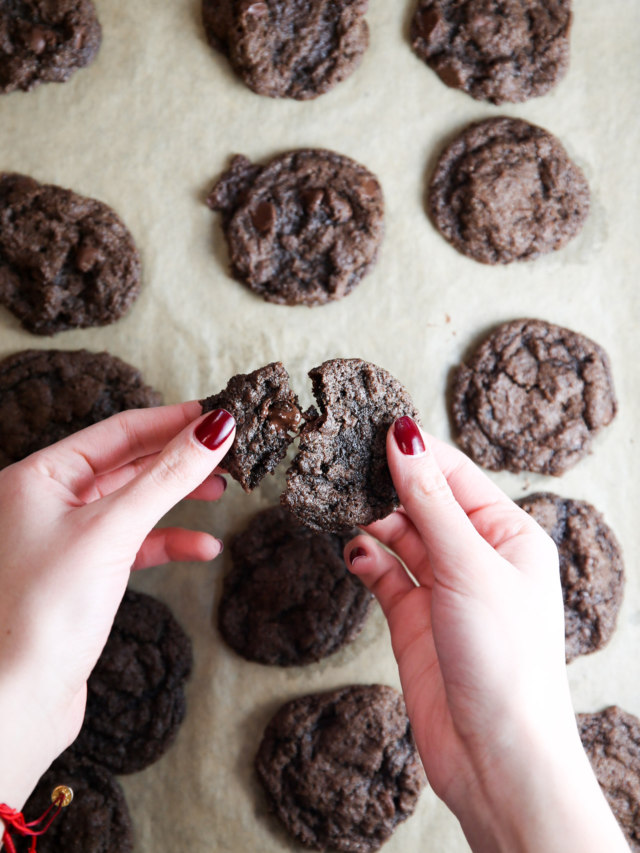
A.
pixel 77 459
pixel 471 487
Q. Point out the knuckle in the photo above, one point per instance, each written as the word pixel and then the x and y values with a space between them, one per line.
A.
pixel 431 488
pixel 168 471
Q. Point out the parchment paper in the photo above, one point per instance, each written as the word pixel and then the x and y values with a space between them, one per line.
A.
pixel 146 129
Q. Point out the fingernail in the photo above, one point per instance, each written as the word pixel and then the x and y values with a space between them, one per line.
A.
pixel 221 546
pixel 356 554
pixel 408 436
pixel 223 482
pixel 215 428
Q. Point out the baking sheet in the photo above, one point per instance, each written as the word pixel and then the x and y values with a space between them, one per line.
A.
pixel 146 129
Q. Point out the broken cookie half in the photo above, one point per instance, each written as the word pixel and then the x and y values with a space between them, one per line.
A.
pixel 267 418
pixel 339 478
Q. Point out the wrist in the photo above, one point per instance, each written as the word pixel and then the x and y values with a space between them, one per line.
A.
pixel 540 797
pixel 33 734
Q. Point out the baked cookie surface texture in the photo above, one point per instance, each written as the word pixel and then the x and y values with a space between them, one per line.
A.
pixel 302 230
pixel 66 261
pixel 611 739
pixel 289 48
pixel 43 41
pixel 591 569
pixel 289 598
pixel 340 769
pixel 494 50
pixel 135 701
pixel 339 479
pixel 45 395
pixel 267 417
pixel 96 821
pixel 505 190
pixel 532 397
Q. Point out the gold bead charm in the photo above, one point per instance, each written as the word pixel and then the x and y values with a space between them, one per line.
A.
pixel 61 796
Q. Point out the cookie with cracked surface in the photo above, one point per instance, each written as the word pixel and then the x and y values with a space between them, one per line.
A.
pixel 341 769
pixel 505 190
pixel 289 598
pixel 135 698
pixel 45 395
pixel 507 51
pixel 611 739
pixel 302 230
pixel 339 479
pixel 532 397
pixel 591 569
pixel 98 819
pixel 267 417
pixel 45 42
pixel 66 261
pixel 289 48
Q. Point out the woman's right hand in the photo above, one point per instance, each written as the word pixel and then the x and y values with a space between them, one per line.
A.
pixel 477 626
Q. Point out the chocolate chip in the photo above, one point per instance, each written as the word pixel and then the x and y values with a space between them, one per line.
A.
pixel 312 199
pixel 258 10
pixel 87 256
pixel 340 207
pixel 264 217
pixel 37 41
pixel 370 188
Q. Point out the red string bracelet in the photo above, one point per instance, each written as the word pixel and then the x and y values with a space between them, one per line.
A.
pixel 14 820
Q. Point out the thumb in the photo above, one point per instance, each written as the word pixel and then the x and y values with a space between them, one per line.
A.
pixel 175 472
pixel 452 543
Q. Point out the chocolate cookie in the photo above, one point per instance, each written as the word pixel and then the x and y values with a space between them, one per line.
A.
pixel 591 569
pixel 266 414
pixel 66 261
pixel 611 739
pixel 96 821
pixel 45 395
pixel 135 701
pixel 509 50
pixel 505 190
pixel 341 769
pixel 302 230
pixel 288 48
pixel 43 42
pixel 289 598
pixel 339 478
pixel 532 397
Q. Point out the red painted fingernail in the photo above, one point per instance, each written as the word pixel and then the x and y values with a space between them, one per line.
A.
pixel 408 436
pixel 355 554
pixel 215 428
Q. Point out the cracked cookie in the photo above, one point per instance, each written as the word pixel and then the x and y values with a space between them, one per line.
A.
pixel 288 48
pixel 505 190
pixel 339 478
pixel 289 598
pixel 591 569
pixel 302 230
pixel 494 50
pixel 45 395
pixel 611 739
pixel 135 694
pixel 341 769
pixel 532 397
pixel 98 819
pixel 45 42
pixel 267 417
pixel 66 261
